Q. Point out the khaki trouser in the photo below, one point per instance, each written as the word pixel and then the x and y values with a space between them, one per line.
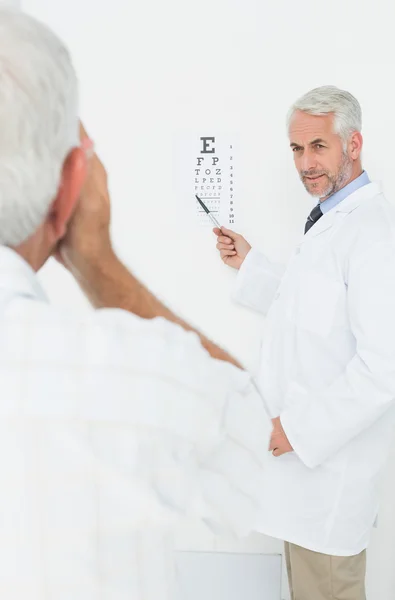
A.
pixel 315 576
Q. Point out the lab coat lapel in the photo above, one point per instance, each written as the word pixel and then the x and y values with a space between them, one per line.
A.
pixel 336 215
pixel 323 224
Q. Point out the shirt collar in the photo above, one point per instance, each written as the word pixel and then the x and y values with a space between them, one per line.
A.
pixel 348 189
pixel 17 276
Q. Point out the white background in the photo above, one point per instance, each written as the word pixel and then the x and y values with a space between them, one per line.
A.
pixel 152 70
pixel 10 4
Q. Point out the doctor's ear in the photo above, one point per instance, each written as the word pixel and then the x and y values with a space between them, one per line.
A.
pixel 355 145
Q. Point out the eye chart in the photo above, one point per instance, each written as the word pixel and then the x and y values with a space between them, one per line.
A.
pixel 207 166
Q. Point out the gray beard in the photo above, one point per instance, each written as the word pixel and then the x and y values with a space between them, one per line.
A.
pixel 336 183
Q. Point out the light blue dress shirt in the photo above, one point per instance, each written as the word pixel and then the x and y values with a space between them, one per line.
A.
pixel 348 189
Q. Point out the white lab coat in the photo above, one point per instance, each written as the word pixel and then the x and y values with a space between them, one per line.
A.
pixel 328 368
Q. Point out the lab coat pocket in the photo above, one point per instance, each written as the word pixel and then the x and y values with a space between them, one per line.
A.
pixel 315 304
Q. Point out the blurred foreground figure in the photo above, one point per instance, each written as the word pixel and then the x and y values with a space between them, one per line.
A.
pixel 119 426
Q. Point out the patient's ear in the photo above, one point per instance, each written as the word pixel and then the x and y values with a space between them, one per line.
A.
pixel 70 188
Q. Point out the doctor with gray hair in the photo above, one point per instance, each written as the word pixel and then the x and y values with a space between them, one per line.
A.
pixel 328 353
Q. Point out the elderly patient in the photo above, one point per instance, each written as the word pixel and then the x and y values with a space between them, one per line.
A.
pixel 116 427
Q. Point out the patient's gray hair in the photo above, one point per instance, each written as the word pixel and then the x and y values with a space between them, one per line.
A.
pixel 38 122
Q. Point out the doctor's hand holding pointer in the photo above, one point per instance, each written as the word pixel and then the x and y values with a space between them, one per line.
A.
pixel 233 249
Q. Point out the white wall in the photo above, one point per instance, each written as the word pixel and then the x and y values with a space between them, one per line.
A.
pixel 10 4
pixel 151 69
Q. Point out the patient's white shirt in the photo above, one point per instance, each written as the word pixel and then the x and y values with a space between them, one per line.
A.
pixel 114 432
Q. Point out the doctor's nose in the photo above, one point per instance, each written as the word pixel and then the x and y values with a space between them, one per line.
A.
pixel 308 162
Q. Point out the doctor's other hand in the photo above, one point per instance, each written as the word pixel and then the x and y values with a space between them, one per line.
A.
pixel 233 248
pixel 279 443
